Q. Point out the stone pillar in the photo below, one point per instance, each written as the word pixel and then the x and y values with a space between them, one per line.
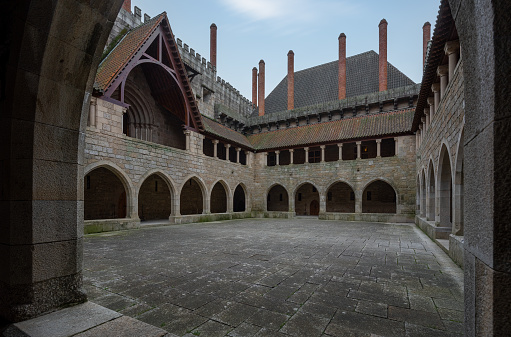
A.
pixel 420 135
pixel 431 102
pixel 322 147
pixel 188 135
pixel 417 140
pixel 378 148
pixel 291 153
pixel 424 127
pixel 322 204
pixel 358 202
pixel 396 144
pixel 436 91
pixel 340 151
pixel 215 148
pixel 266 159
pixel 92 112
pixel 277 157
pixel 248 156
pixel 443 72
pixel 359 152
pixel 451 50
pixel 238 155
pixel 306 154
pixel 227 147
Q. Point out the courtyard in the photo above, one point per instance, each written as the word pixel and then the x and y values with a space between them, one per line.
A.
pixel 272 277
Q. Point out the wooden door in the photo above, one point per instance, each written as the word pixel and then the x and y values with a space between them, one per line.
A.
pixel 314 208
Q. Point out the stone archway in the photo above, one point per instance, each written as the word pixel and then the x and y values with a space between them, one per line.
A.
pixel 218 199
pixel 192 197
pixel 46 76
pixel 305 196
pixel 277 199
pixel 239 199
pixel 444 189
pixel 458 222
pixel 379 197
pixel 340 198
pixel 105 195
pixel 154 199
pixel 430 207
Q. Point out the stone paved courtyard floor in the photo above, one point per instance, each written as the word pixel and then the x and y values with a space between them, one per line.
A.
pixel 272 277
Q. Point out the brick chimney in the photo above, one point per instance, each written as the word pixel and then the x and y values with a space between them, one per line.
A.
pixel 127 5
pixel 254 86
pixel 383 55
pixel 426 36
pixel 261 88
pixel 342 66
pixel 290 80
pixel 212 45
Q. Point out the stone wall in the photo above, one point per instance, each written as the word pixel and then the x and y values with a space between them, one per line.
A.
pixel 398 171
pixel 443 137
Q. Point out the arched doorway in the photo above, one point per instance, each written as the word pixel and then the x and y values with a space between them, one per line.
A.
pixel 430 212
pixel 304 197
pixel 104 195
pixel 340 198
pixel 191 200
pixel 277 199
pixel 154 199
pixel 314 207
pixel 445 188
pixel 238 201
pixel 379 197
pixel 218 199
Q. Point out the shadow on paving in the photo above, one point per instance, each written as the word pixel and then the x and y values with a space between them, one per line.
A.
pixel 262 277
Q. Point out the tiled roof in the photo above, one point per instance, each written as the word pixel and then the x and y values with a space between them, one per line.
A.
pixel 113 64
pixel 220 131
pixel 320 84
pixel 389 123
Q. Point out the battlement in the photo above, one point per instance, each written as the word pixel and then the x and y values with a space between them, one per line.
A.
pixel 205 82
pixel 125 20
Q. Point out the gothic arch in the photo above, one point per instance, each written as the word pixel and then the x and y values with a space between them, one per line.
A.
pixel 193 196
pixel 344 198
pixel 431 192
pixel 240 199
pixel 444 184
pixel 382 198
pixel 459 190
pixel 216 195
pixel 160 208
pixel 277 198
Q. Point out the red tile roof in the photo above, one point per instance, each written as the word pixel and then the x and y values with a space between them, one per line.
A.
pixel 217 130
pixel 119 57
pixel 391 123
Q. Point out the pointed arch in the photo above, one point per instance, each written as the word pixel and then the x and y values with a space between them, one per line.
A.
pixel 192 198
pixel 459 190
pixel 444 184
pixel 307 198
pixel 219 197
pixel 240 198
pixel 107 192
pixel 423 193
pixel 155 196
pixel 431 192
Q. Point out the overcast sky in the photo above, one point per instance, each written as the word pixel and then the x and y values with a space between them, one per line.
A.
pixel 251 30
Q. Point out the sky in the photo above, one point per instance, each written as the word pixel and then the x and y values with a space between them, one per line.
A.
pixel 251 30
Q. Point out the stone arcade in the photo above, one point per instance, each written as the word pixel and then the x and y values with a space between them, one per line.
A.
pixel 231 151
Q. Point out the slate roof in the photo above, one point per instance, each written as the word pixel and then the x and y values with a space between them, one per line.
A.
pixel 113 64
pixel 219 131
pixel 320 84
pixel 390 123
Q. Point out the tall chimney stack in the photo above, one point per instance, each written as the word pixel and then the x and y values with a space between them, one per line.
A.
pixel 290 80
pixel 342 66
pixel 261 88
pixel 254 86
pixel 212 45
pixel 426 36
pixel 127 5
pixel 383 55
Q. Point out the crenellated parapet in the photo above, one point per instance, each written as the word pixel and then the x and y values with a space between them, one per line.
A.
pixel 209 88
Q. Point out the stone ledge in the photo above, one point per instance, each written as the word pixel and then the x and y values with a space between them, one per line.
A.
pixel 109 225
pixel 367 217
